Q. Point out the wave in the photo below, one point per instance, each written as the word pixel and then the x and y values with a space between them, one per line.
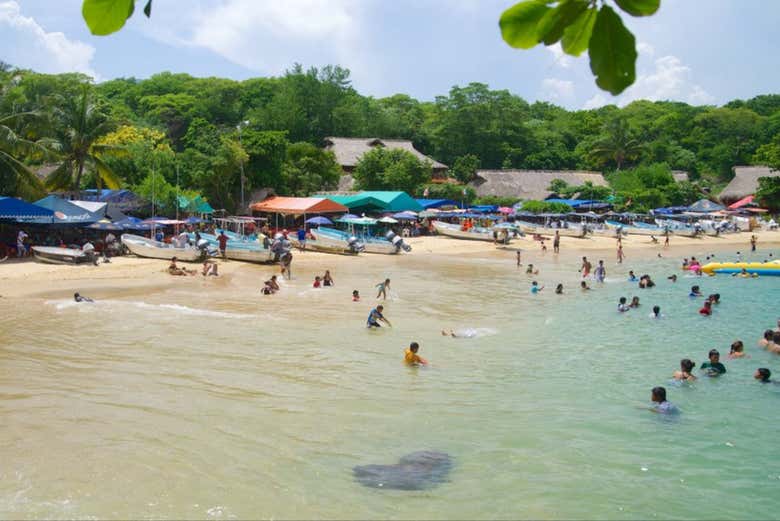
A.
pixel 103 305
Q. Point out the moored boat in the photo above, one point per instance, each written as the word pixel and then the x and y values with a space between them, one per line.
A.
pixel 239 248
pixel 330 244
pixel 476 233
pixel 637 228
pixel 370 244
pixel 143 247
pixel 571 231
pixel 51 255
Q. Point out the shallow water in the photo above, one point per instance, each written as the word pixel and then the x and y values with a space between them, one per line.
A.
pixel 209 400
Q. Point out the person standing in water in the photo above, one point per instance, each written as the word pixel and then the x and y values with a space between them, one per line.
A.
pixel 382 288
pixel 601 272
pixel 753 241
pixel 519 261
pixel 585 268
pixel 375 316
pixel 620 254
pixel 557 242
pixel 661 405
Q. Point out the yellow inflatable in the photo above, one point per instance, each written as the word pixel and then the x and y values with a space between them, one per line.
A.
pixel 752 268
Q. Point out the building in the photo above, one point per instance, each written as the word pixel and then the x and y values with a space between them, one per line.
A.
pixel 745 182
pixel 349 150
pixel 529 184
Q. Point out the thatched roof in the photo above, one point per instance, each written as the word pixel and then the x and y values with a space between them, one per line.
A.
pixel 349 150
pixel 529 184
pixel 680 175
pixel 745 182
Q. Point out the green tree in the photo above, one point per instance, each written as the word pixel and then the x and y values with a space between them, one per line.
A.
pixel 464 169
pixel 616 146
pixel 308 169
pixel 768 193
pixel 16 178
pixel 394 169
pixel 82 122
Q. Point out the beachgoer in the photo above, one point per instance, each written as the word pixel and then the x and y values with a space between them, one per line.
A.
pixel 519 262
pixel 631 276
pixel 302 238
pixel 557 242
pixel 672 277
pixel 737 350
pixel 601 272
pixel 656 312
pixel 695 292
pixel 585 268
pixel 209 269
pixel 666 239
pixel 653 239
pixel 375 316
pixel 559 289
pixel 267 288
pixel 544 247
pixel 355 296
pixel 531 270
pixel 684 374
pixel 222 239
pixel 382 288
pixel 661 405
pixel 536 288
pixel 584 286
pixel 774 345
pixel 763 375
pixel 713 367
pixel 764 342
pixel 80 298
pixel 622 306
pixel 274 283
pixel 286 264
pixel 645 282
pixel 753 241
pixel 706 309
pixel 327 280
pixel 411 357
pixel 634 302
pixel 317 281
pixel 21 249
pixel 620 254
pixel 159 236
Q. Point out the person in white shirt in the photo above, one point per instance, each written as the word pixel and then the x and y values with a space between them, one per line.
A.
pixel 21 249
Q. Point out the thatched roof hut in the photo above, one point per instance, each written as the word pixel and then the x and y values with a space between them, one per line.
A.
pixel 349 150
pixel 529 184
pixel 745 182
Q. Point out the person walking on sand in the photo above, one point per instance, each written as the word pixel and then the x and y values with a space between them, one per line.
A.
pixel 753 241
pixel 557 242
pixel 620 254
pixel 21 250
pixel 519 261
pixel 222 239
pixel 383 287
pixel 666 238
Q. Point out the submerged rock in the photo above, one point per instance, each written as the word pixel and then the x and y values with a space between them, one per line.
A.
pixel 416 471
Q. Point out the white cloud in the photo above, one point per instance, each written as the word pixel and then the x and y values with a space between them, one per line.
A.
pixel 561 58
pixel 26 44
pixel 557 90
pixel 645 49
pixel 599 100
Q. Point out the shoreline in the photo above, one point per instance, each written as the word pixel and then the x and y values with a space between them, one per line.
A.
pixel 129 275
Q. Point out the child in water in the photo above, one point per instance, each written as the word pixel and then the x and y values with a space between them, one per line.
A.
pixel 584 286
pixel 684 374
pixel 631 276
pixel 656 312
pixel 763 375
pixel 737 350
pixel 622 306
pixel 411 357
pixel 355 296
pixel 317 281
pixel 713 367
pixel 536 288
pixel 531 270
pixel 559 289
pixel 661 405
pixel 706 310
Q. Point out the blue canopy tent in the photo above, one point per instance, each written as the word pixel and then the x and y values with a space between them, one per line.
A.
pixel 485 208
pixel 16 210
pixel 106 226
pixel 66 212
pixel 427 204
pixel 705 206
pixel 405 216
pixel 133 223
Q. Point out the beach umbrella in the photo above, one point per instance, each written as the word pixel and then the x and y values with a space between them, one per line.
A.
pixel 742 202
pixel 388 220
pixel 194 220
pixel 506 210
pixel 405 216
pixel 349 216
pixel 319 220
pixel 106 225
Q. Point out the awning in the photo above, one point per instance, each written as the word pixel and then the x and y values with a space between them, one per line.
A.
pixel 436 203
pixel 298 206
pixel 742 202
pixel 17 210
pixel 65 212
pixel 92 206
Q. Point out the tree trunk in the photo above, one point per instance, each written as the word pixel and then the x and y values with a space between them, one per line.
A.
pixel 77 188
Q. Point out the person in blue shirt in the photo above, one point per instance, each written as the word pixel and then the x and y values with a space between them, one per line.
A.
pixel 536 288
pixel 661 405
pixel 632 277
pixel 375 316
pixel 302 237
pixel 695 292
pixel 159 236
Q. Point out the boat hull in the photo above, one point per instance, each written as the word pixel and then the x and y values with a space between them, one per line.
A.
pixel 454 231
pixel 371 245
pixel 143 247
pixel 637 230
pixel 240 250
pixel 577 232
pixel 49 255
pixel 325 244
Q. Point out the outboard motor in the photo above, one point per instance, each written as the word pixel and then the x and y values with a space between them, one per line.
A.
pixel 397 241
pixel 355 245
pixel 205 248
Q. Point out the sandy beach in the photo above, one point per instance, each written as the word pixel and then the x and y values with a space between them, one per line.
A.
pixel 131 275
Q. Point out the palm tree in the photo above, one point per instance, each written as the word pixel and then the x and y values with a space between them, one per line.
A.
pixel 617 144
pixel 82 123
pixel 20 179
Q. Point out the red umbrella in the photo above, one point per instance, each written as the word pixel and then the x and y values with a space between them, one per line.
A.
pixel 506 210
pixel 742 202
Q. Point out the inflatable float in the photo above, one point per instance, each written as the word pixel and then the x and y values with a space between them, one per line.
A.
pixel 758 268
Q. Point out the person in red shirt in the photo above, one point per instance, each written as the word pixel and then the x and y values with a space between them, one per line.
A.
pixel 222 239
pixel 706 310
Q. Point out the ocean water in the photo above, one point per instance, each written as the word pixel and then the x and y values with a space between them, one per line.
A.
pixel 209 400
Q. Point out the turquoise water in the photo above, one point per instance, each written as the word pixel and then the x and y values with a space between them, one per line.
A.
pixel 210 401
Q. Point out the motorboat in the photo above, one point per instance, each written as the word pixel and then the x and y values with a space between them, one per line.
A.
pixel 577 231
pixel 387 246
pixel 476 233
pixel 143 247
pixel 52 255
pixel 328 243
pixel 240 247
pixel 637 228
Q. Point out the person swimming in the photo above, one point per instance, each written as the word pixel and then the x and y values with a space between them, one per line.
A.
pixel 80 298
pixel 763 375
pixel 672 277
pixel 767 339
pixel 706 309
pixel 737 350
pixel 656 312
pixel 713 367
pixel 622 306
pixel 559 289
pixel 660 404
pixel 355 296
pixel 411 357
pixel 584 286
pixel 695 292
pixel 632 277
pixel 460 333
pixel 634 302
pixel 685 374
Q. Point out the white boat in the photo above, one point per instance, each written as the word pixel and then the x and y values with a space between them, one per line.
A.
pixel 329 244
pixel 240 249
pixel 637 228
pixel 50 255
pixel 389 245
pixel 572 231
pixel 472 234
pixel 143 247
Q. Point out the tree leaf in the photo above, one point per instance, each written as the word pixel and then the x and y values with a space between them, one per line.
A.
pixel 519 23
pixel 552 25
pixel 148 9
pixel 576 36
pixel 106 16
pixel 639 7
pixel 612 52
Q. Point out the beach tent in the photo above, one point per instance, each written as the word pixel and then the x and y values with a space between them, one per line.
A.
pixel 17 210
pixel 705 206
pixel 427 204
pixel 65 212
pixel 92 206
pixel 124 200
pixel 358 202
pixel 742 202
pixel 298 206
pixel 485 208
pixel 395 201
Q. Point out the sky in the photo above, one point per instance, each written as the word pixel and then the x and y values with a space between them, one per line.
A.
pixel 696 51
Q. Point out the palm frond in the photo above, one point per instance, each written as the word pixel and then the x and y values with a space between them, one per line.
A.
pixel 60 179
pixel 28 184
pixel 105 173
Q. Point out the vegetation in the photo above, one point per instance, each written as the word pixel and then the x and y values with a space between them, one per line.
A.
pixel 545 207
pixel 203 131
pixel 768 193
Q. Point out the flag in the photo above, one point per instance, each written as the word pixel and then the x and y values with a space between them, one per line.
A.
pixel 425 192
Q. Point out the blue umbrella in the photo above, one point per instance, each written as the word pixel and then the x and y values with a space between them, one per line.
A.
pixel 194 220
pixel 405 216
pixel 319 220
pixel 107 226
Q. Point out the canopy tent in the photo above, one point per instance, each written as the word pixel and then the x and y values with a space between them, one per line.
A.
pixel 298 206
pixel 124 200
pixel 576 203
pixel 427 204
pixel 133 223
pixel 387 201
pixel 92 206
pixel 363 221
pixel 705 206
pixel 742 202
pixel 106 225
pixel 358 202
pixel 485 208
pixel 65 212
pixel 195 205
pixel 319 220
pixel 17 210
pixel 669 211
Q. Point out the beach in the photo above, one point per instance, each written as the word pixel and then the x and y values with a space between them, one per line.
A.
pixel 193 397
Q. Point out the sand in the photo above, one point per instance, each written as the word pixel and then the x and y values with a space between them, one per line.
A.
pixel 125 276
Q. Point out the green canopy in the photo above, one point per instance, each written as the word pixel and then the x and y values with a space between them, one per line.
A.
pixel 377 201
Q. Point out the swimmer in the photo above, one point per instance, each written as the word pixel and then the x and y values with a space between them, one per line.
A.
pixel 631 276
pixel 763 375
pixel 536 288
pixel 461 333
pixel 673 278
pixel 684 374
pixel 327 280
pixel 375 316
pixel 317 282
pixel 715 298
pixel 601 272
pixel 559 289
pixel 411 357
pixel 713 367
pixel 622 306
pixel 656 312
pixel 79 298
pixel 355 296
pixel 584 286
pixel 383 287
pixel 531 270
pixel 764 342
pixel 661 405
pixel 634 302
pixel 706 310
pixel 774 345
pixel 695 292
pixel 737 350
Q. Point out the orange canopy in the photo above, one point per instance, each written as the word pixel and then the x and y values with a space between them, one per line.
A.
pixel 298 205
